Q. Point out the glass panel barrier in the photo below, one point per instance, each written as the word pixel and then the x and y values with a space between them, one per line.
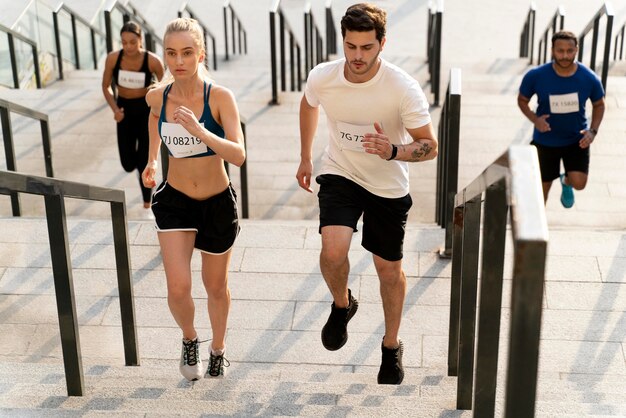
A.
pixel 85 53
pixel 24 57
pixel 66 38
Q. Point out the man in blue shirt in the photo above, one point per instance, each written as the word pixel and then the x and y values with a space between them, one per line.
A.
pixel 561 132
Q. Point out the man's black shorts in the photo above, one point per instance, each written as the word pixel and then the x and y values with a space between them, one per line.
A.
pixel 342 202
pixel 574 158
pixel 214 219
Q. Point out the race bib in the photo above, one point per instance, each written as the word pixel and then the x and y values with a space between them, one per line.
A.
pixel 351 136
pixel 564 103
pixel 180 142
pixel 131 79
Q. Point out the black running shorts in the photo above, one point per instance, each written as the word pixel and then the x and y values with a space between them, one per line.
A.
pixel 574 158
pixel 214 220
pixel 342 202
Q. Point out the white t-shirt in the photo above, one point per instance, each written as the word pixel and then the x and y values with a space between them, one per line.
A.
pixel 392 98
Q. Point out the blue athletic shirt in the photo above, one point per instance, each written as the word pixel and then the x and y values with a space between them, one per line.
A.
pixel 206 118
pixel 563 98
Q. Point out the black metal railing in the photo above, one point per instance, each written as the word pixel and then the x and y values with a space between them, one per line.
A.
pixel 238 33
pixel 557 23
pixel 619 43
pixel 448 161
pixel 77 24
pixel 12 38
pixel 243 170
pixel 433 49
pixel 54 192
pixel 331 32
pixel 128 12
pixel 594 25
pixel 313 42
pixel 295 64
pixel 6 108
pixel 512 182
pixel 527 37
pixel 185 11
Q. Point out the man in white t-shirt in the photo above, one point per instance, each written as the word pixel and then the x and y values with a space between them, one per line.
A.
pixel 378 122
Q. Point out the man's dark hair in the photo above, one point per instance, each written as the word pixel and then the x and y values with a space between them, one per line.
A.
pixel 364 17
pixel 565 35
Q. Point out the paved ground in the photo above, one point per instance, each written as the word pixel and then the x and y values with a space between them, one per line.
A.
pixel 279 298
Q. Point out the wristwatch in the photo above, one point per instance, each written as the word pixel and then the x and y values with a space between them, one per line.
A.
pixel 593 131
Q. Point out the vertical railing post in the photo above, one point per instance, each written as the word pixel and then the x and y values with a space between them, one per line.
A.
pixel 307 65
pixel 36 67
pixel 469 282
pixel 455 292
pixel 47 149
pixel 226 32
pixel 9 154
pixel 94 50
pixel 244 178
pixel 124 283
pixel 274 100
pixel 292 64
pixel 594 43
pixel 16 77
pixel 57 40
pixel 108 30
pixel 75 37
pixel 607 50
pixel 526 308
pixel 283 55
pixel 64 291
pixel 494 239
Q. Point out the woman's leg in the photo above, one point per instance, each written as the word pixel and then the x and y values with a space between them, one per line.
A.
pixel 215 278
pixel 176 251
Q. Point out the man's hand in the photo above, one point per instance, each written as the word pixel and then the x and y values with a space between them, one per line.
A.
pixel 587 138
pixel 304 175
pixel 378 143
pixel 542 124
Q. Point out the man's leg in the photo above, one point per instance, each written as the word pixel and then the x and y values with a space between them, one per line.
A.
pixel 545 185
pixel 392 292
pixel 335 268
pixel 334 261
pixel 576 179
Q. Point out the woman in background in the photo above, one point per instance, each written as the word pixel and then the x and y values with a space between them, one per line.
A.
pixel 131 70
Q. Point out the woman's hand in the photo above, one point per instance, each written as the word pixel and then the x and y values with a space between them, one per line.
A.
pixel 118 114
pixel 188 120
pixel 147 177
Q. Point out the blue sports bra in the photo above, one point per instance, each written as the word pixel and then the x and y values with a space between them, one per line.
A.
pixel 206 118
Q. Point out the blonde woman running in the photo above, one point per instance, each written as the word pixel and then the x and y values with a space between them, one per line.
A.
pixel 195 207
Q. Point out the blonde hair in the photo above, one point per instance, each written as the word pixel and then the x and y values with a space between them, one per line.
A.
pixel 191 26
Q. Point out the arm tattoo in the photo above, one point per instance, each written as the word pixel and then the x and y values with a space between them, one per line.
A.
pixel 421 152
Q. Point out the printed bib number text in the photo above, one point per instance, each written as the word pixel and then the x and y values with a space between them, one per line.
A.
pixel 131 79
pixel 564 103
pixel 180 142
pixel 351 136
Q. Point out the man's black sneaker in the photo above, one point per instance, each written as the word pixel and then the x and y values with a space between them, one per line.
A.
pixel 335 332
pixel 391 371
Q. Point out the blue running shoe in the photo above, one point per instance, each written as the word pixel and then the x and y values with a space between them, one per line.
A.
pixel 567 194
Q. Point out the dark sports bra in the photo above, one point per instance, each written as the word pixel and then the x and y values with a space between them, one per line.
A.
pixel 206 119
pixel 145 68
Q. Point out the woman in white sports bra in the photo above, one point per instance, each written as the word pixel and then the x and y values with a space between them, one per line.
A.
pixel 131 70
pixel 195 207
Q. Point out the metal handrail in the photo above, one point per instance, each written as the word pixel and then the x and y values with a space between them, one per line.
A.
pixel 433 50
pixel 558 18
pixel 313 43
pixel 186 9
pixel 235 22
pixel 294 54
pixel 6 108
pixel 594 25
pixel 11 36
pixel 527 37
pixel 129 11
pixel 57 37
pixel 511 182
pixel 620 35
pixel 54 192
pixel 448 161
pixel 331 32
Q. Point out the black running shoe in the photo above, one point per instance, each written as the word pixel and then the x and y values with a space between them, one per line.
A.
pixel 391 371
pixel 216 365
pixel 335 332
